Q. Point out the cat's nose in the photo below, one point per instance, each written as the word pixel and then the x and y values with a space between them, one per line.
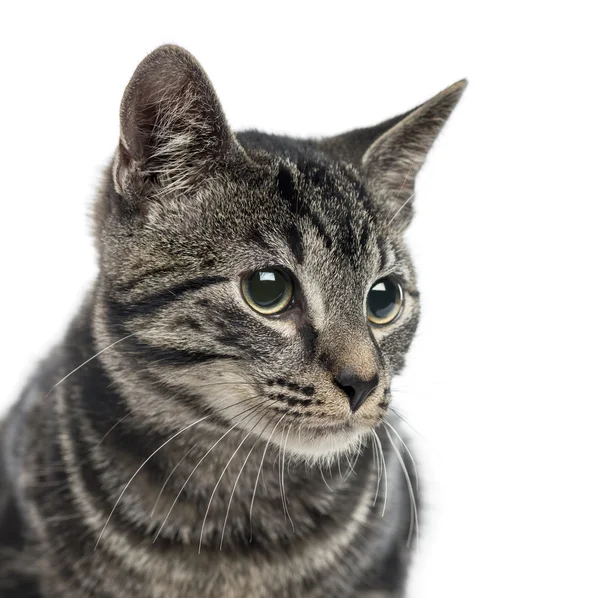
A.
pixel 357 388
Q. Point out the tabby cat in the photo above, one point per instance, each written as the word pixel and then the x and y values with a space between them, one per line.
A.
pixel 217 421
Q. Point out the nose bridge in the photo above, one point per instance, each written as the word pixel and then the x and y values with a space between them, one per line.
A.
pixel 345 342
pixel 347 347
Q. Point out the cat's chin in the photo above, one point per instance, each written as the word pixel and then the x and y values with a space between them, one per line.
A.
pixel 324 445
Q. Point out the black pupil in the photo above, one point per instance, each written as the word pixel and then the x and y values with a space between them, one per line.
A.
pixel 383 298
pixel 267 287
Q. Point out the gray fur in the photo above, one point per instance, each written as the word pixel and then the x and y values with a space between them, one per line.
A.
pixel 193 400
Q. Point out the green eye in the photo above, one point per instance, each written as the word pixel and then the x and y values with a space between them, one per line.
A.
pixel 384 301
pixel 268 291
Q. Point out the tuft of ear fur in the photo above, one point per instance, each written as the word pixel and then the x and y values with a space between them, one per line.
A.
pixel 173 129
pixel 391 154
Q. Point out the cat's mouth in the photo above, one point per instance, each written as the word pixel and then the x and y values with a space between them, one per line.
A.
pixel 310 421
pixel 320 441
pixel 317 423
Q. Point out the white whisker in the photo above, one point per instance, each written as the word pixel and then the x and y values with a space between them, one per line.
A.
pixel 191 449
pixel 216 486
pixel 260 469
pixel 385 479
pixel 88 360
pixel 379 472
pixel 285 507
pixel 238 477
pixel 414 465
pixel 414 517
pixel 324 480
pixel 140 468
pixel 398 195
pixel 191 474
pixel 406 422
pixel 171 474
pixel 400 209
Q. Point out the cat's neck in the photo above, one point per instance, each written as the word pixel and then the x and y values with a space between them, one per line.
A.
pixel 118 490
pixel 210 478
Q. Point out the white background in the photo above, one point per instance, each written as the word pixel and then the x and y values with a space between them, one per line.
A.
pixel 502 382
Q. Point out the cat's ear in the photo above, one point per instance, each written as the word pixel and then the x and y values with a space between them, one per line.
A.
pixel 173 129
pixel 391 154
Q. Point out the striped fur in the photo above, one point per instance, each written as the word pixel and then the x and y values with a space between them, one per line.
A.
pixel 177 443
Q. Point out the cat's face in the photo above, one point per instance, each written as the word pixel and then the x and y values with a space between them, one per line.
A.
pixel 265 280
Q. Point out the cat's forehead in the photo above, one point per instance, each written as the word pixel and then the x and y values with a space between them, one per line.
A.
pixel 315 217
pixel 304 213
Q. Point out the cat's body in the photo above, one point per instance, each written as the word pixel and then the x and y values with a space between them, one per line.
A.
pixel 204 450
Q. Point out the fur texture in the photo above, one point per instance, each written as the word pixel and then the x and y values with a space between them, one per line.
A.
pixel 178 443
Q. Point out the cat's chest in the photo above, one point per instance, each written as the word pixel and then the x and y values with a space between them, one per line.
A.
pixel 241 578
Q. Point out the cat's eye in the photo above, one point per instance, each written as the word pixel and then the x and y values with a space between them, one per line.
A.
pixel 384 301
pixel 268 291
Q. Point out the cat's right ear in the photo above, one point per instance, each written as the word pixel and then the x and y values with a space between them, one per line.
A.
pixel 173 129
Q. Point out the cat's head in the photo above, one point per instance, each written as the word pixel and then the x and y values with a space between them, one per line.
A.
pixel 259 279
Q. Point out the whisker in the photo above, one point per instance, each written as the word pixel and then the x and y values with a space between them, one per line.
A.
pixel 324 480
pixel 279 476
pixel 238 478
pixel 348 469
pixel 414 465
pixel 60 467
pixel 132 410
pixel 376 458
pixel 406 422
pixel 385 478
pixel 140 468
pixel 173 397
pixel 414 517
pixel 188 452
pixel 217 485
pixel 285 507
pixel 253 407
pixel 87 361
pixel 379 468
pixel 112 428
pixel 352 463
pixel 171 474
pixel 259 470
pixel 398 195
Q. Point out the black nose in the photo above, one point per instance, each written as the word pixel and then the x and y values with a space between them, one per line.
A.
pixel 356 388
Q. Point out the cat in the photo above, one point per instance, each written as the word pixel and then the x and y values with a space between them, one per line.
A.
pixel 217 420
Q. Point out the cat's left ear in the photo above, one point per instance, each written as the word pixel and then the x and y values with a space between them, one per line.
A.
pixel 391 154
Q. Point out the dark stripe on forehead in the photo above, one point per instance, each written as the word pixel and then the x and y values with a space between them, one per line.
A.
pixel 364 236
pixel 323 234
pixel 295 242
pixel 289 194
pixel 287 188
pixel 342 215
pixel 350 245
pixel 319 175
pixel 256 238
